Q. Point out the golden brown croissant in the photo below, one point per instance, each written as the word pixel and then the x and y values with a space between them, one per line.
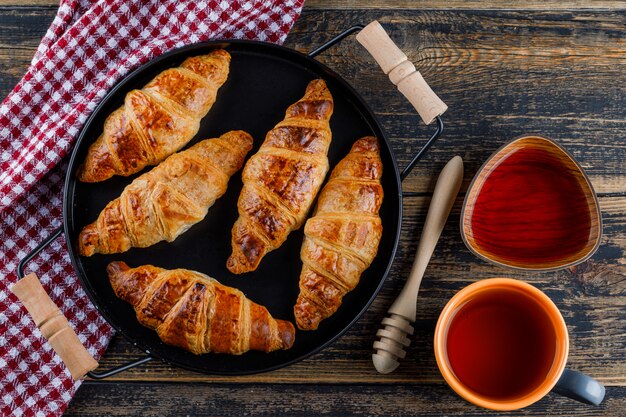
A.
pixel 167 200
pixel 195 312
pixel 157 120
pixel 342 237
pixel 282 179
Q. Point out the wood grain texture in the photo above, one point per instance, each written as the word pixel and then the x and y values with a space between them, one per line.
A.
pixel 591 298
pixel 21 31
pixel 560 74
pixel 423 4
pixel 401 72
pixel 503 74
pixel 465 4
pixel 305 401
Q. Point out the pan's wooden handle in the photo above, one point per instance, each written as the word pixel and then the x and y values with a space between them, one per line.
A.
pixel 54 326
pixel 401 72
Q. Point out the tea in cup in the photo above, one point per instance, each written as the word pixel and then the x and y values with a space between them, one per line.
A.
pixel 502 344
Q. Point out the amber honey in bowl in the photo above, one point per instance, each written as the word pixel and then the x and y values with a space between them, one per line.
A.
pixel 531 206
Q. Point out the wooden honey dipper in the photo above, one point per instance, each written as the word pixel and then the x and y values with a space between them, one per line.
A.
pixel 393 338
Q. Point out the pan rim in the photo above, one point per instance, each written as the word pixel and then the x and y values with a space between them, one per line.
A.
pixel 266 49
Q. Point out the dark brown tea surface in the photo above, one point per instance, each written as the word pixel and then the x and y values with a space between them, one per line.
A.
pixel 501 344
pixel 531 209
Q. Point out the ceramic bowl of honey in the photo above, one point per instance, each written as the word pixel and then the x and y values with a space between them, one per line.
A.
pixel 531 206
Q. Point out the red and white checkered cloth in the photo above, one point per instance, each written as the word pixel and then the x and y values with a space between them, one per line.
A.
pixel 88 48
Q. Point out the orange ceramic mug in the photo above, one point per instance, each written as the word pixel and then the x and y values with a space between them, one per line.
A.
pixel 502 344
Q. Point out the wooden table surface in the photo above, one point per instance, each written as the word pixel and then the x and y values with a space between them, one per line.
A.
pixel 556 68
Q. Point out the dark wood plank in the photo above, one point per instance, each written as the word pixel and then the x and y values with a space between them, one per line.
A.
pixel 21 31
pixel 462 4
pixel 503 74
pixel 423 4
pixel 591 298
pixel 559 74
pixel 147 400
pixel 461 71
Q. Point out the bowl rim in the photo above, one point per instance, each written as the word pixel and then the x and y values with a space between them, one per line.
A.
pixel 559 266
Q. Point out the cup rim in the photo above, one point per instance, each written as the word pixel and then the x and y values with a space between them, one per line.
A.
pixel 441 355
pixel 557 267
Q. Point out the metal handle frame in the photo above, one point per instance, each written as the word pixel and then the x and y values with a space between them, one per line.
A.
pixel 439 129
pixel 21 274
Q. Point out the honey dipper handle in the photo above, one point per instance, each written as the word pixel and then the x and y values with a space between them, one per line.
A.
pixel 54 326
pixel 446 190
pixel 392 335
pixel 401 72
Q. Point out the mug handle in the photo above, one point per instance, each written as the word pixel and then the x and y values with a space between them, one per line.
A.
pixel 580 387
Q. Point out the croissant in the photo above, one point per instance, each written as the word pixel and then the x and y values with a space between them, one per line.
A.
pixel 167 200
pixel 157 120
pixel 282 179
pixel 195 312
pixel 341 239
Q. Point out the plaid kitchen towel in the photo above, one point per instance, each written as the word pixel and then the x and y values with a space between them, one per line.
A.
pixel 88 48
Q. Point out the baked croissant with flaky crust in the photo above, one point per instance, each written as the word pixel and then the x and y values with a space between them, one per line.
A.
pixel 157 120
pixel 195 312
pixel 341 239
pixel 282 179
pixel 167 200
